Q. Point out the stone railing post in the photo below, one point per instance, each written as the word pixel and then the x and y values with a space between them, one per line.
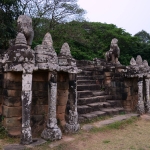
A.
pixel 73 125
pixel 26 97
pixel 147 81
pixel 140 105
pixel 52 131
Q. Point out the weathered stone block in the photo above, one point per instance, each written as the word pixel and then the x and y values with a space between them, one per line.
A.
pixel 0 109
pixel 61 116
pixel 11 111
pixel 62 77
pixel 13 76
pixel 40 93
pixel 26 82
pixel 12 101
pixel 63 93
pixel 62 100
pixel 60 109
pixel 39 85
pixel 40 76
pixel 108 74
pixel 11 93
pixel 1 99
pixel 12 85
pixel 39 109
pixel 63 85
pixel 40 58
pixel 40 100
pixel 12 122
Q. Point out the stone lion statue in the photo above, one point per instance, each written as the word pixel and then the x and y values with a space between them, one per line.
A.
pixel 113 54
pixel 24 25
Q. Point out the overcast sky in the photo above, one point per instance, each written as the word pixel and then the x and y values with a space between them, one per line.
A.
pixel 131 15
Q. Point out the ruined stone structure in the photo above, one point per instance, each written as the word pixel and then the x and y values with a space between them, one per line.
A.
pixel 39 88
pixel 113 54
pixel 44 93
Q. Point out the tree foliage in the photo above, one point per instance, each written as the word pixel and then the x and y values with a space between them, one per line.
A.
pixel 9 11
pixel 88 40
pixel 143 36
pixel 54 11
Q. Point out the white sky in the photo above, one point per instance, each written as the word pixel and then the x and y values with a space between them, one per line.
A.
pixel 131 15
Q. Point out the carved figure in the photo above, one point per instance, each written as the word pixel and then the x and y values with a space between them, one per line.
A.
pixel 24 25
pixel 113 54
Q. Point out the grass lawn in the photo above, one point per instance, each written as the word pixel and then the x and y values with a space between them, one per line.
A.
pixel 132 134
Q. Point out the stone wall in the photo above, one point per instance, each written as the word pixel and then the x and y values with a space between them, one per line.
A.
pixel 12 110
pixel 39 109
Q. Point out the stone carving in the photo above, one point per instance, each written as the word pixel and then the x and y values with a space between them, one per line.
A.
pixel 140 69
pixel 140 106
pixel 132 62
pixel 73 125
pixel 21 61
pixel 65 60
pixel 113 54
pixel 24 25
pixel 26 136
pixel 65 50
pixel 52 131
pixel 46 57
pixel 147 101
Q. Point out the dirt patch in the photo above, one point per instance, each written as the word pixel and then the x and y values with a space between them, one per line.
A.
pixel 135 136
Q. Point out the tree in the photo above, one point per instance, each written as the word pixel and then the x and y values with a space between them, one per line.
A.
pixel 9 11
pixel 55 11
pixel 143 36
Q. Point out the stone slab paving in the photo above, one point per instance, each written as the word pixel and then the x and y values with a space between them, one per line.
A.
pixel 36 142
pixel 63 140
pixel 99 124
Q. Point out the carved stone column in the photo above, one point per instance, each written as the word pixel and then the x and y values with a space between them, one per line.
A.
pixel 147 81
pixel 26 97
pixel 140 106
pixel 73 125
pixel 52 131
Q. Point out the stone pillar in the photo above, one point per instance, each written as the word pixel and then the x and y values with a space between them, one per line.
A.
pixel 147 94
pixel 52 131
pixel 140 105
pixel 72 125
pixel 26 97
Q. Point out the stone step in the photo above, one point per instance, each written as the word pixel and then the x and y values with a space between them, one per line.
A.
pixel 115 103
pixel 93 99
pixel 91 87
pixel 80 82
pixel 86 73
pixel 84 78
pixel 98 106
pixel 113 111
pixel 92 115
pixel 84 109
pixel 98 93
pixel 109 97
pixel 85 93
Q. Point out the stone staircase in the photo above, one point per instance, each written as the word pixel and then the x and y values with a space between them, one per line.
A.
pixel 92 100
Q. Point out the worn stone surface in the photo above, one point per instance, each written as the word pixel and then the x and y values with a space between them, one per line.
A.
pixel 113 54
pixel 26 96
pixel 52 131
pixel 14 147
pixel 24 25
pixel 106 122
pixel 140 106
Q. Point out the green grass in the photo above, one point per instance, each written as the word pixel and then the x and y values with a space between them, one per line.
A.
pixel 95 119
pixel 3 132
pixel 115 125
pixel 106 141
